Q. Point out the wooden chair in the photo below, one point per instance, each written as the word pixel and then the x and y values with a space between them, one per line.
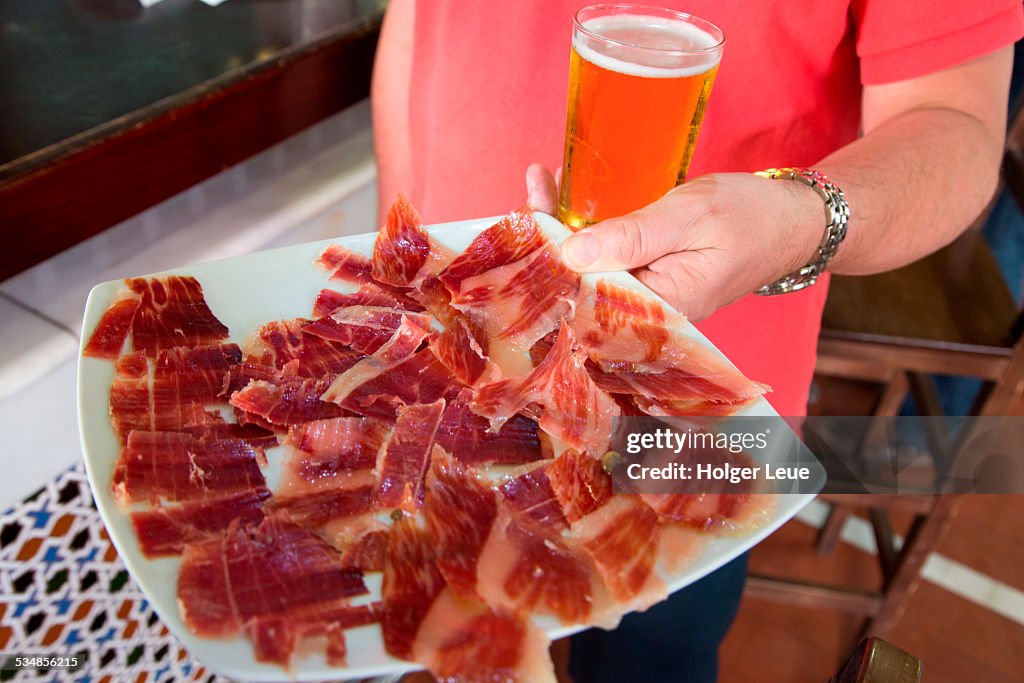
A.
pixel 948 314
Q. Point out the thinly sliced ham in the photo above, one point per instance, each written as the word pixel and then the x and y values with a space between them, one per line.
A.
pixel 419 379
pixel 289 343
pixel 345 265
pixel 369 294
pixel 277 571
pixel 520 302
pixel 559 394
pixel 460 349
pixel 636 348
pixel 363 328
pixel 403 467
pixel 528 568
pixel 313 510
pixel 456 637
pixel 326 450
pixel 402 246
pixel 167 529
pixel 193 375
pixel 403 343
pixel 410 586
pixel 286 402
pixel 351 267
pixel 172 312
pixel 462 639
pixel 111 331
pixel 459 510
pixel 531 495
pixel 509 240
pixel 467 435
pixel 579 484
pixel 178 466
pixel 185 380
pixel 130 406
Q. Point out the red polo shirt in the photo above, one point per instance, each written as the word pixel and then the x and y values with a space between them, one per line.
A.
pixel 488 97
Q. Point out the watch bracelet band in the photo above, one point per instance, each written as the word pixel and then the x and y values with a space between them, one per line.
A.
pixel 837 218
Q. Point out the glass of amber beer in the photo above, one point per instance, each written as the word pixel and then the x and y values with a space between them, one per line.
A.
pixel 639 80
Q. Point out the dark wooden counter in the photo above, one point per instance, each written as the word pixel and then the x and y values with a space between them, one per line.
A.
pixel 107 108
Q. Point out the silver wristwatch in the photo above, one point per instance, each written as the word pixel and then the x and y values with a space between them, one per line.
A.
pixel 837 217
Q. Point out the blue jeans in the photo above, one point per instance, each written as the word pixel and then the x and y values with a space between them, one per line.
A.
pixel 675 641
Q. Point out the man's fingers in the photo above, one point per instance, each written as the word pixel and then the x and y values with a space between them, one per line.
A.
pixel 624 243
pixel 541 191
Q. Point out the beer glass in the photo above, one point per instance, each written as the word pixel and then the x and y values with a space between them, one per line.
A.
pixel 639 80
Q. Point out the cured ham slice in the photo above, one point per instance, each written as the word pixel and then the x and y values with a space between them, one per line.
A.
pixel 457 638
pixel 363 328
pixel 466 434
pixel 520 302
pixel 459 511
pixel 185 379
pixel 130 395
pixel 622 538
pixel 459 349
pixel 527 568
pixel 410 585
pixel 178 466
pixel 531 495
pixel 403 467
pixel 402 246
pixel 329 448
pixel 369 294
pixel 288 402
pixel 614 322
pixel 559 394
pixel 434 297
pixel 289 343
pixel 314 510
pixel 635 348
pixel 276 638
pixel 402 344
pixel 110 333
pixel 510 239
pixel 579 484
pixel 620 534
pixel 419 379
pixel 345 265
pixel 350 267
pixel 276 574
pixel 172 312
pixel 463 640
pixel 366 551
pixel 192 375
pixel 167 529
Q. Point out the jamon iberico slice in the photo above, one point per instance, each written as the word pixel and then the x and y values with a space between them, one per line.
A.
pixel 108 338
pixel 172 312
pixel 275 576
pixel 559 394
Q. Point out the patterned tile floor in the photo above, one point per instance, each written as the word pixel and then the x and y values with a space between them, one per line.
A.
pixel 64 591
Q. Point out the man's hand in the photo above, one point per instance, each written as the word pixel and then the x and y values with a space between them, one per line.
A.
pixel 704 244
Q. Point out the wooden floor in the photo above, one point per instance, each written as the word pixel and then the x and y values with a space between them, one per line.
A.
pixel 958 640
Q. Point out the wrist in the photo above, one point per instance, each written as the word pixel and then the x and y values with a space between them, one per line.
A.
pixel 834 214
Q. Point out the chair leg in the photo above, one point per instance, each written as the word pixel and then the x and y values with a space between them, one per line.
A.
pixel 920 542
pixel 828 537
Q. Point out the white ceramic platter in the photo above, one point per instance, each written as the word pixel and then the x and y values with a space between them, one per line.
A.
pixel 245 292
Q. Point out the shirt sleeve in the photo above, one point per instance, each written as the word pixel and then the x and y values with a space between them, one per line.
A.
pixel 901 39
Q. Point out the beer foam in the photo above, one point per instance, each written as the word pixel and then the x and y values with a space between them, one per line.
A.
pixel 674 36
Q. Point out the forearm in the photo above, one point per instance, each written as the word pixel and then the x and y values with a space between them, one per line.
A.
pixel 926 166
pixel 913 184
